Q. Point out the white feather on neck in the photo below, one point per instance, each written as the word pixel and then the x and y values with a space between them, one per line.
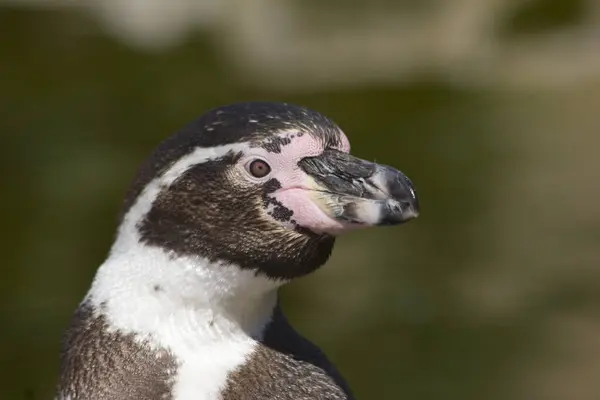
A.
pixel 208 315
pixel 143 289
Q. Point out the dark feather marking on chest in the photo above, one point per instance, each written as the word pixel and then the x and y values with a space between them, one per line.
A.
pixel 97 364
pixel 286 366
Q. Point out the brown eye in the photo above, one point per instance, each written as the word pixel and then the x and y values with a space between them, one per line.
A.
pixel 259 168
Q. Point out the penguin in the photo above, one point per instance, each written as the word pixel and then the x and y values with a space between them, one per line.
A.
pixel 241 201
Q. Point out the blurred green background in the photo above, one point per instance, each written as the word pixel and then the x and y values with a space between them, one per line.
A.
pixel 489 106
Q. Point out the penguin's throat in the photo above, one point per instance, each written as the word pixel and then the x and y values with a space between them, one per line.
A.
pixel 147 291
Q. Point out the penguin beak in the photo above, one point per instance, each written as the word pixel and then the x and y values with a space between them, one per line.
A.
pixel 351 190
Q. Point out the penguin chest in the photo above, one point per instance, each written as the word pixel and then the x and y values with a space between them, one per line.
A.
pixel 203 370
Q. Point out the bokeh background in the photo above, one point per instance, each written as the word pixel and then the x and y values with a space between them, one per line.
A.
pixel 492 107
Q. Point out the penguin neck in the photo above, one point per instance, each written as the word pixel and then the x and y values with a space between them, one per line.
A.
pixel 146 291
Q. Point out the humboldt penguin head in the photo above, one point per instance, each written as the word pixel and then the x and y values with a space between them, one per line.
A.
pixel 264 186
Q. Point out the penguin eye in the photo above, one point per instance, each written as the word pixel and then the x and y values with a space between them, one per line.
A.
pixel 259 168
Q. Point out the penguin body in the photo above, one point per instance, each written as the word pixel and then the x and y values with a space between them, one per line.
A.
pixel 223 213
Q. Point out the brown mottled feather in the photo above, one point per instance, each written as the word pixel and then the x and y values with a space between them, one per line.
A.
pixel 97 364
pixel 286 366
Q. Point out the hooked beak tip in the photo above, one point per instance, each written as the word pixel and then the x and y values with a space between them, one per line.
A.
pixel 403 202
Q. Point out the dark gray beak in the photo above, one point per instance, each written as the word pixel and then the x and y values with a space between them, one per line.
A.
pixel 356 191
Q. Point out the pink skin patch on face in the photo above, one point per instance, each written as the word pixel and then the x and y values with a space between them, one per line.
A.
pixel 296 189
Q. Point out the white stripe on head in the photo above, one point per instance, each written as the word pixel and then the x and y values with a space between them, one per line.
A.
pixel 128 234
pixel 208 315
